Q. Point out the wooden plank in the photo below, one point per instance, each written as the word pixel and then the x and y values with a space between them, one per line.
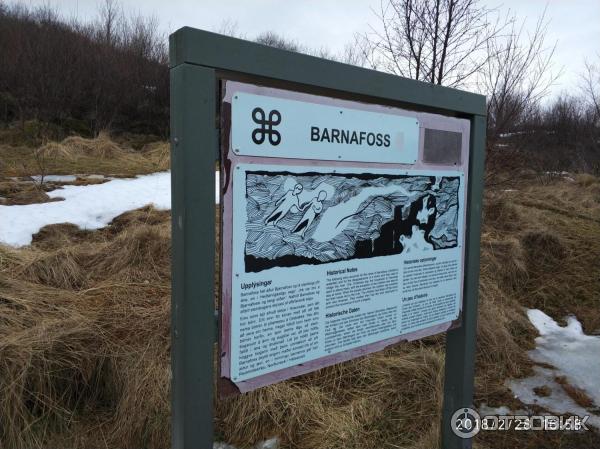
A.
pixel 460 342
pixel 193 46
pixel 193 144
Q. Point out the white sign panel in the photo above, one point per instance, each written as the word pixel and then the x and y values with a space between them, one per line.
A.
pixel 269 126
pixel 327 259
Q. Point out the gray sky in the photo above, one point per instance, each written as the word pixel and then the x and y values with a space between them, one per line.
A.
pixel 574 24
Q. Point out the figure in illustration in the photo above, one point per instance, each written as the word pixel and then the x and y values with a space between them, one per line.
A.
pixel 311 210
pixel 415 242
pixel 425 212
pixel 289 201
pixel 420 221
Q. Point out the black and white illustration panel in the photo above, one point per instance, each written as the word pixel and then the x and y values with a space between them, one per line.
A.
pixel 321 217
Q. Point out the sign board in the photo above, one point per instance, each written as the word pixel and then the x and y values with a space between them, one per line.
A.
pixel 339 238
pixel 349 219
pixel 271 126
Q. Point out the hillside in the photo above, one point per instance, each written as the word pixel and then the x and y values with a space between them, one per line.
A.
pixel 60 76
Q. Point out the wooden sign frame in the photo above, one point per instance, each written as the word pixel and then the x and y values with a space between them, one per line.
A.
pixel 199 60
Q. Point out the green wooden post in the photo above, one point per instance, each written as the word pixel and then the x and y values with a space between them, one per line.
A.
pixel 460 342
pixel 193 148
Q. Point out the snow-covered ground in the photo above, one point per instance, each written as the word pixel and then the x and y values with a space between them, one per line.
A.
pixel 485 410
pixel 65 178
pixel 89 207
pixel 55 178
pixel 573 354
pixel 272 443
pixel 558 401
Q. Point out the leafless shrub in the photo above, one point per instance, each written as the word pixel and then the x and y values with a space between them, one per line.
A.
pixel 276 40
pixel 563 135
pixel 273 39
pixel 516 76
pixel 441 42
pixel 108 74
pixel 462 43
pixel 591 86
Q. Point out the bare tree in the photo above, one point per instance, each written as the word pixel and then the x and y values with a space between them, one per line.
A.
pixel 68 76
pixel 515 78
pixel 229 27
pixel 110 16
pixel 591 86
pixel 517 74
pixel 463 43
pixel 437 41
pixel 273 39
pixel 360 52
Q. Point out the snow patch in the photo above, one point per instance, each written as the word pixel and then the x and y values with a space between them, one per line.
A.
pixel 89 207
pixel 272 443
pixel 485 410
pixel 66 178
pixel 558 401
pixel 55 178
pixel 573 354
pixel 557 173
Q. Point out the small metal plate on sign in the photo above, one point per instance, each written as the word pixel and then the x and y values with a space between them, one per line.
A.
pixel 269 126
pixel 442 147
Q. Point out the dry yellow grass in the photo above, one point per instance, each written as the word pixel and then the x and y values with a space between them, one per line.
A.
pixel 16 193
pixel 159 154
pixel 84 338
pixel 101 147
pixel 75 154
pixel 84 329
pixel 578 395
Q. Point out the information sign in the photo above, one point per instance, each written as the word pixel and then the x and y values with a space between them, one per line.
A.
pixel 348 220
pixel 338 239
pixel 275 127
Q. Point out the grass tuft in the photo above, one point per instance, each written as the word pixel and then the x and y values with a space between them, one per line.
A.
pixel 77 155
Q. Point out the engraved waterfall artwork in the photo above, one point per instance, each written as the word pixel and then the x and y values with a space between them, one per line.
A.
pixel 314 218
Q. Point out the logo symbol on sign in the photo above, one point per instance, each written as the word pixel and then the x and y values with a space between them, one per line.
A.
pixel 266 126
